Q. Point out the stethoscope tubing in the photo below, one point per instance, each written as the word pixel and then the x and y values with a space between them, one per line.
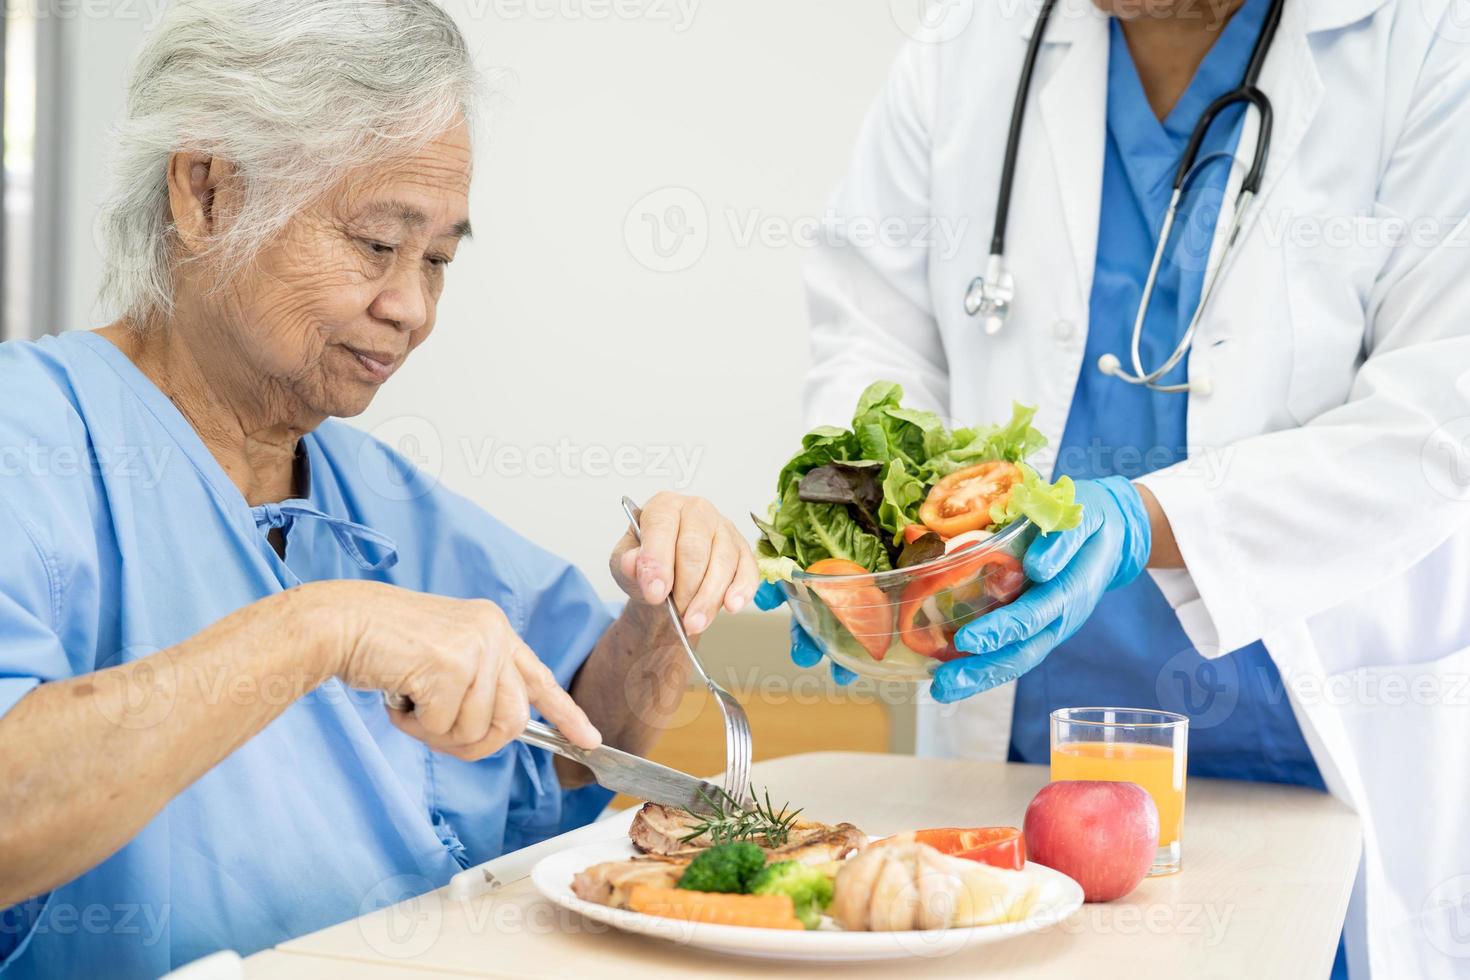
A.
pixel 1013 136
pixel 1249 93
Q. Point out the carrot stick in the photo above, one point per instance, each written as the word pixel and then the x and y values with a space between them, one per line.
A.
pixel 758 911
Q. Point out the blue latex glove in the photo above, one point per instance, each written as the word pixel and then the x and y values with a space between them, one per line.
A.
pixel 804 650
pixel 1070 570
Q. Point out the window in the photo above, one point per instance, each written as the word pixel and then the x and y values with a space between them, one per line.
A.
pixel 18 126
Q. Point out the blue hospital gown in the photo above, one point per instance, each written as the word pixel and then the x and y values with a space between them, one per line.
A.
pixel 120 535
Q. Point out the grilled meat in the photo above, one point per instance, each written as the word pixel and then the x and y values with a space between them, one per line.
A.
pixel 818 843
pixel 659 829
pixel 611 882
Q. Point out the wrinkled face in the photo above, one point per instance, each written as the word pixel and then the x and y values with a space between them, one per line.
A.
pixel 332 308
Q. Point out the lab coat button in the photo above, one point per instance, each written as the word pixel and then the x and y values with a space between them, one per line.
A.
pixel 1063 331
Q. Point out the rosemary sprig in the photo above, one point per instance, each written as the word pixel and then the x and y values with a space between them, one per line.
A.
pixel 729 821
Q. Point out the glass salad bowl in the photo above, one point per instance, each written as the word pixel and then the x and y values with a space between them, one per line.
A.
pixel 900 624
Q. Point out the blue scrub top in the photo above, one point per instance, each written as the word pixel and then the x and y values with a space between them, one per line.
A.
pixel 1132 650
pixel 120 535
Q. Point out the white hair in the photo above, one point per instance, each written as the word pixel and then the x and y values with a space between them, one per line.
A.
pixel 294 94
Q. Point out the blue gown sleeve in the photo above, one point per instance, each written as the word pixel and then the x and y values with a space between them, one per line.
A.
pixel 31 648
pixel 31 651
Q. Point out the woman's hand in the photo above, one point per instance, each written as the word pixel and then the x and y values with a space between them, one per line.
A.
pixel 1070 571
pixel 472 680
pixel 688 549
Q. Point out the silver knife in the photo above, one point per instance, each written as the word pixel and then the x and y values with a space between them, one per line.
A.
pixel 619 771
pixel 625 772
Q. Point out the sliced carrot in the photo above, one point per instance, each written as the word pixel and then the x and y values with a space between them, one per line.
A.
pixel 758 911
pixel 859 606
pixel 913 532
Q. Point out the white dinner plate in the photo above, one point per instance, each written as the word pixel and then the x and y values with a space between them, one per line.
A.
pixel 1058 897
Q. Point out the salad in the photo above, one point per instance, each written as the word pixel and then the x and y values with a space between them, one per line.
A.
pixel 920 529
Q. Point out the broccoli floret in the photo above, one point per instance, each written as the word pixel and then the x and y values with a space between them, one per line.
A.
pixel 724 868
pixel 809 888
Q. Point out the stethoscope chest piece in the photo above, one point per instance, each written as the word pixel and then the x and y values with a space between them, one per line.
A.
pixel 990 296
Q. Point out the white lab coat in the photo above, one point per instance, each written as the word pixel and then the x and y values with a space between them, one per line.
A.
pixel 1323 507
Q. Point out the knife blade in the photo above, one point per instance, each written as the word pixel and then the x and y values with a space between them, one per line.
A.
pixel 624 772
pixel 614 769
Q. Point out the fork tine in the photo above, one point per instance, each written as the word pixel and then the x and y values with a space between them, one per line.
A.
pixel 738 742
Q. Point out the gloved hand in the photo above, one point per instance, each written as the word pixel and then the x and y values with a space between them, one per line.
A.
pixel 804 650
pixel 1070 570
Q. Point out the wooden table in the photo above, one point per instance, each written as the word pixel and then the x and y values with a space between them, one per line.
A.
pixel 1267 874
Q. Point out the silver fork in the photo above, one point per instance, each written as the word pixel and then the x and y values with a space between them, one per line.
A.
pixel 737 726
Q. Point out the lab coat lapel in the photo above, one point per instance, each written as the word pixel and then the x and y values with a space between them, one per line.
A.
pixel 1074 105
pixel 1291 81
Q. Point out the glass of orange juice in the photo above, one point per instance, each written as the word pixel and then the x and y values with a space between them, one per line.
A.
pixel 1128 745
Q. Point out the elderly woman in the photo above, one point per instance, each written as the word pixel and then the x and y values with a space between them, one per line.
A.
pixel 193 751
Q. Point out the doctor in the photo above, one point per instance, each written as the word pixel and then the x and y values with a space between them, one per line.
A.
pixel 1294 479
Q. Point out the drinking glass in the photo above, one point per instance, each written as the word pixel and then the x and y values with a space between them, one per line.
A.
pixel 1129 745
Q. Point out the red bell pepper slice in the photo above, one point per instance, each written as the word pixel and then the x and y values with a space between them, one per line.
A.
pixel 1003 582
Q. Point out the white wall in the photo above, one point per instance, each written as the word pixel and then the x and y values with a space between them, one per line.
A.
pixel 554 334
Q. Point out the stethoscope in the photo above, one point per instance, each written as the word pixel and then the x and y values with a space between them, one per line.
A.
pixel 990 296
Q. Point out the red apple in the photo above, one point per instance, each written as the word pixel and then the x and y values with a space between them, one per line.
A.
pixel 1103 835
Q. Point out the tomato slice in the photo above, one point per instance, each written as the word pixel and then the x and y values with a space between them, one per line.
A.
pixel 961 501
pixel 1003 582
pixel 860 607
pixel 1006 580
pixel 999 847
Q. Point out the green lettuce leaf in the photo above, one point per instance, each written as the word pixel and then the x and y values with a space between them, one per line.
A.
pixel 1050 506
pixel 773 567
pixel 817 531
pixel 914 451
pixel 877 396
pixel 1014 441
pixel 886 430
pixel 902 494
